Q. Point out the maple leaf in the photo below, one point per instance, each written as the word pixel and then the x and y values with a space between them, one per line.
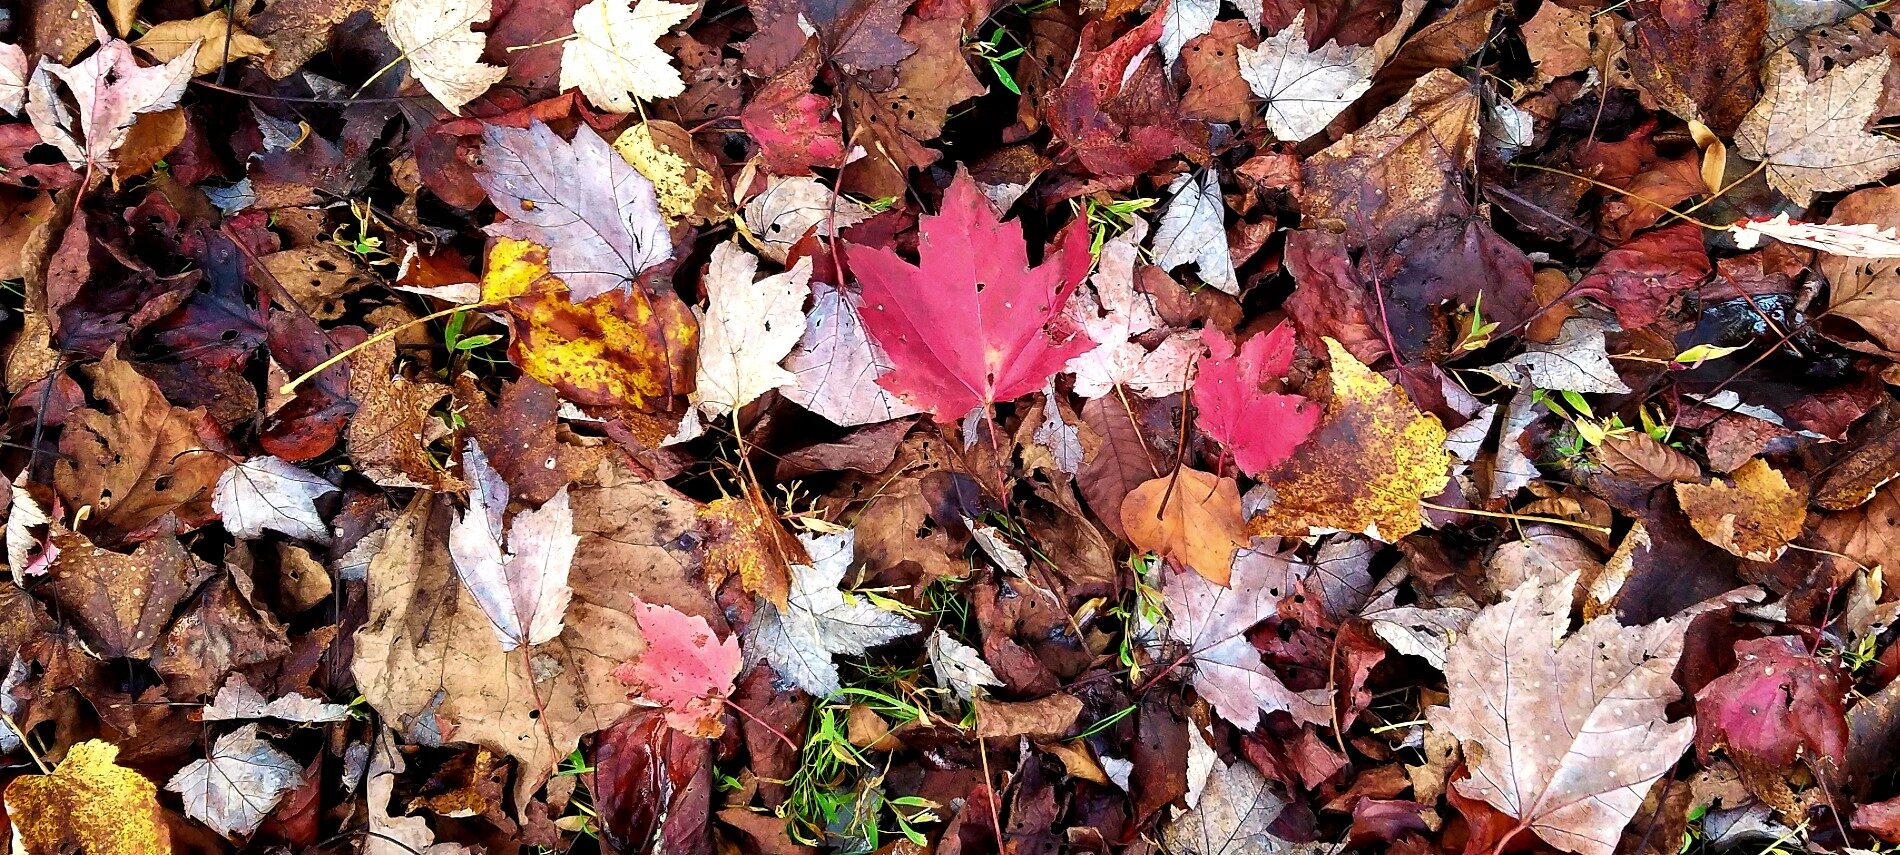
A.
pixel 13 69
pixel 444 54
pixel 981 331
pixel 238 785
pixel 1813 135
pixel 819 621
pixel 791 207
pixel 1260 428
pixel 854 35
pixel 684 175
pixel 1212 621
pixel 268 493
pixel 1578 361
pixel 1305 89
pixel 103 96
pixel 236 701
pixel 1111 311
pixel 1572 727
pixel 959 666
pixel 748 328
pixel 1192 231
pixel 684 668
pixel 836 365
pixel 1780 703
pixel 895 120
pixel 1183 21
pixel 1230 817
pixel 597 215
pixel 1864 296
pixel 89 804
pixel 613 59
pixel 1755 518
pixel 523 590
pixel 1115 108
pixel 1199 526
pixel 1372 459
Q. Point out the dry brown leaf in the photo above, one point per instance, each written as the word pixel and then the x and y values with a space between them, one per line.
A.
pixel 1864 293
pixel 388 438
pixel 1367 466
pixel 220 42
pixel 1049 717
pixel 742 537
pixel 1753 518
pixel 1199 525
pixel 1641 456
pixel 1813 134
pixel 1393 175
pixel 123 602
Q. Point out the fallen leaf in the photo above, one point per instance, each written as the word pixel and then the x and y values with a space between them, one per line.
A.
pixel 1112 312
pixel 855 35
pixel 836 365
pixel 1390 176
pixel 598 216
pixel 895 122
pixel 1848 239
pixel 268 493
pixel 1780 706
pixel 13 70
pixel 237 701
pixel 102 96
pixel 819 621
pixel 523 590
pixel 238 785
pixel 742 537
pixel 89 804
pixel 1192 231
pixel 791 207
pixel 218 43
pixel 748 328
pixel 1049 717
pixel 1260 428
pixel 1578 361
pixel 1231 817
pixel 1572 728
pixel 1199 526
pixel 1183 21
pixel 1427 633
pixel 396 835
pixel 1813 134
pixel 1305 89
pixel 1754 518
pixel 685 668
pixel 613 59
pixel 1864 294
pixel 960 666
pixel 1212 621
pixel 1672 41
pixel 1372 459
pixel 444 53
pixel 985 330
pixel 685 177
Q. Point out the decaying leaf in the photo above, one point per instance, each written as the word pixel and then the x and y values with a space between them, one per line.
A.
pixel 960 666
pixel 1212 621
pixel 89 804
pixel 1231 817
pixel 238 785
pixel 1754 517
pixel 1192 517
pixel 89 117
pixel 1305 89
pixel 748 328
pixel 1813 134
pixel 523 589
pixel 820 621
pixel 1365 469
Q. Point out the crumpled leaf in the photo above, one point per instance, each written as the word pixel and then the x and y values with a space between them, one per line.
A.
pixel 684 668
pixel 524 590
pixel 1231 816
pixel 388 437
pixel 269 493
pixel 960 666
pixel 1851 240
pixel 819 621
pixel 597 215
pixel 895 122
pixel 1572 728
pixel 106 93
pixel 1192 231
pixel 1754 518
pixel 613 59
pixel 1813 135
pixel 1419 631
pixel 1367 466
pixel 1199 526
pixel 1305 89
pixel 747 329
pixel 1260 428
pixel 89 804
pixel 836 365
pixel 237 701
pixel 1111 311
pixel 238 785
pixel 985 328
pixel 396 835
pixel 790 207
pixel 444 53
pixel 1212 621
pixel 215 38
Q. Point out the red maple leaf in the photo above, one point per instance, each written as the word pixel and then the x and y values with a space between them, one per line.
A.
pixel 971 324
pixel 685 667
pixel 1261 428
pixel 1779 704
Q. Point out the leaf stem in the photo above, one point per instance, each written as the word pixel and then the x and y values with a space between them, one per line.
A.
pixel 1519 517
pixel 300 379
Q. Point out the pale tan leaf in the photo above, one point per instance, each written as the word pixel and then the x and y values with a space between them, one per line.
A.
pixel 748 328
pixel 219 42
pixel 1813 134
pixel 445 55
pixel 613 59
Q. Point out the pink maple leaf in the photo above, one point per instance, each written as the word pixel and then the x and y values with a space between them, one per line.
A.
pixel 972 324
pixel 1779 704
pixel 685 668
pixel 1261 428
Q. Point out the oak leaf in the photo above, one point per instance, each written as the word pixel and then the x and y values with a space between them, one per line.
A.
pixel 613 58
pixel 238 785
pixel 444 53
pixel 523 589
pixel 1261 428
pixel 89 804
pixel 835 365
pixel 268 493
pixel 1754 518
pixel 1813 134
pixel 1192 517
pixel 1212 619
pixel 598 216
pixel 972 324
pixel 684 668
pixel 747 329
pixel 102 96
pixel 820 621
pixel 1305 88
pixel 1365 468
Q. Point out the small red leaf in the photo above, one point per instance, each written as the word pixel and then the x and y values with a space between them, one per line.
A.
pixel 1261 428
pixel 685 667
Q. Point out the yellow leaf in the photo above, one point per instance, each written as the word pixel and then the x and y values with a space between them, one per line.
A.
pixel 666 154
pixel 1199 525
pixel 1365 468
pixel 743 538
pixel 90 804
pixel 1755 518
pixel 624 348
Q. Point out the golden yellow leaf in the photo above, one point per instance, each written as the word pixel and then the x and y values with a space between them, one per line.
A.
pixel 1199 526
pixel 624 348
pixel 169 40
pixel 1365 468
pixel 666 154
pixel 1755 518
pixel 743 538
pixel 89 804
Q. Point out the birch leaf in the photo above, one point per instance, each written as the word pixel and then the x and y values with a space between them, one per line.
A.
pixel 445 55
pixel 523 590
pixel 613 58
pixel 748 328
pixel 1305 89
pixel 1192 231
pixel 835 366
pixel 820 621
pixel 269 493
pixel 1813 134
pixel 239 784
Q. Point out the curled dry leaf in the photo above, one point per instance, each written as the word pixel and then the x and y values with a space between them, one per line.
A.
pixel 1754 517
pixel 215 38
pixel 792 207
pixel 1193 231
pixel 1191 517
pixel 237 701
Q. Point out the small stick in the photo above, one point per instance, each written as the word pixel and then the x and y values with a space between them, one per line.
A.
pixel 290 387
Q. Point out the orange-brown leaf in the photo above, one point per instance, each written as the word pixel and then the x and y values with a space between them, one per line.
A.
pixel 1197 522
pixel 1754 518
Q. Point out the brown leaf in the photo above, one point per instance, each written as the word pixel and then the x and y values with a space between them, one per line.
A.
pixel 1754 518
pixel 1674 41
pixel 1639 455
pixel 523 439
pixel 1216 91
pixel 1049 717
pixel 1122 462
pixel 219 42
pixel 897 122
pixel 122 601
pixel 1870 533
pixel 1191 517
pixel 1391 176
pixel 390 435
pixel 1864 293
pixel 743 538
